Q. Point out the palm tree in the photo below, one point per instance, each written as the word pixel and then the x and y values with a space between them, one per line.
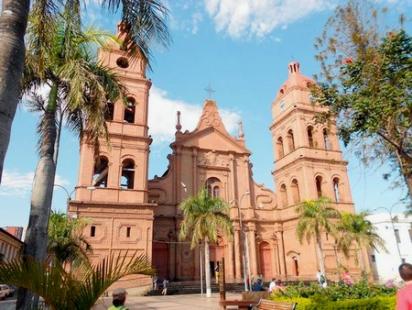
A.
pixel 203 217
pixel 80 288
pixel 12 30
pixel 66 242
pixel 315 218
pixel 355 228
pixel 145 20
pixel 79 89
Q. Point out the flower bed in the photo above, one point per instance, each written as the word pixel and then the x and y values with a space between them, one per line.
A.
pixel 339 296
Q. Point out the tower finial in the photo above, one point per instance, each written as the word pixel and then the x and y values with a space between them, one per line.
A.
pixel 209 90
pixel 178 125
pixel 241 133
pixel 294 67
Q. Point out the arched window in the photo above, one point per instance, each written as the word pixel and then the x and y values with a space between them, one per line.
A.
pixel 336 189
pixel 319 186
pixel 284 195
pixel 216 191
pixel 291 141
pixel 326 141
pixel 127 178
pixel 129 110
pixel 213 187
pixel 310 136
pixel 108 114
pixel 295 191
pixel 101 171
pixel 295 266
pixel 281 151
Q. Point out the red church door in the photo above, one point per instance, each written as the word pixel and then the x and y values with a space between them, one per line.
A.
pixel 161 259
pixel 265 260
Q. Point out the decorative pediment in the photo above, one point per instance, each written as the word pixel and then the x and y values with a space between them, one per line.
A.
pixel 212 139
pixel 210 117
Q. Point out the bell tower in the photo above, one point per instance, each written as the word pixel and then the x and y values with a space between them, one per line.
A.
pixel 112 189
pixel 308 164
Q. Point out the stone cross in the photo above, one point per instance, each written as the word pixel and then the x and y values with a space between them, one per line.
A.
pixel 209 91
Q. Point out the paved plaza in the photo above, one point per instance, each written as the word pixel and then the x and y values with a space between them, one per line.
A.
pixel 172 302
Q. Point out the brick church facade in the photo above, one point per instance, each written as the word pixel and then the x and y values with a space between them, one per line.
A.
pixel 127 211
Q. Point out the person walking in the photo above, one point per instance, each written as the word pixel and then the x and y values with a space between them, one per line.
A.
pixel 164 291
pixel 119 298
pixel 404 295
pixel 321 279
pixel 272 285
pixel 155 282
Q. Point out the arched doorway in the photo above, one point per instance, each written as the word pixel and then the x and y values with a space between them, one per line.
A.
pixel 265 260
pixel 216 253
pixel 161 259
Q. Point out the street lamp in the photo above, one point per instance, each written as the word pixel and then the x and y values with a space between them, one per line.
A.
pixel 69 194
pixel 245 252
pixel 69 197
pixel 389 210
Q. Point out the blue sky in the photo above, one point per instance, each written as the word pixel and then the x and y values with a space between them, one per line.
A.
pixel 241 47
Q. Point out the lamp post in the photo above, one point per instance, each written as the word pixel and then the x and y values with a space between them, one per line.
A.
pixel 245 252
pixel 200 251
pixel 389 210
pixel 69 196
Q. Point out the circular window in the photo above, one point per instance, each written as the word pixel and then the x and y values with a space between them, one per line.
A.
pixel 122 62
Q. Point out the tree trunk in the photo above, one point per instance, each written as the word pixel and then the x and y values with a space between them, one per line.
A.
pixel 58 137
pixel 405 167
pixel 207 269
pixel 319 253
pixel 42 193
pixel 13 22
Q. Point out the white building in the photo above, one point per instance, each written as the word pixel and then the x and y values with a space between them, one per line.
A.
pixel 397 235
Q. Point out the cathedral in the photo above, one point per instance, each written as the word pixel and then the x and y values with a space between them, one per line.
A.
pixel 128 211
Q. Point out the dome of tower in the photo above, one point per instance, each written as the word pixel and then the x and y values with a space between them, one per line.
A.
pixel 295 79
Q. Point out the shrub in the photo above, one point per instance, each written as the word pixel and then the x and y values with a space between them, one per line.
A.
pixel 336 292
pixel 322 303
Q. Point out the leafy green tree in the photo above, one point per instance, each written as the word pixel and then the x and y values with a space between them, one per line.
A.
pixel 366 82
pixel 316 217
pixel 356 229
pixel 66 242
pixel 80 288
pixel 145 21
pixel 203 217
pixel 80 87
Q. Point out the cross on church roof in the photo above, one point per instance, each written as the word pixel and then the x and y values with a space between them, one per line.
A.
pixel 209 91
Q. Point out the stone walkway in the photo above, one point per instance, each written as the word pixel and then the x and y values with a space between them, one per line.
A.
pixel 172 302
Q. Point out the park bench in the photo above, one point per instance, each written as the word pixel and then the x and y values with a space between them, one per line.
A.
pixel 266 304
pixel 255 296
pixel 238 304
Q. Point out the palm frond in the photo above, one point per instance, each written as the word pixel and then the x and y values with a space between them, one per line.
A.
pixel 204 217
pixel 146 23
pixel 79 289
pixel 111 269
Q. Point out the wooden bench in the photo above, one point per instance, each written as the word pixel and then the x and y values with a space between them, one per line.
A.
pixel 266 304
pixel 257 296
pixel 239 304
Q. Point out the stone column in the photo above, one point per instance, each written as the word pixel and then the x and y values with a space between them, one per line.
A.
pixel 230 262
pixel 237 260
pixel 196 263
pixel 282 253
pixel 252 250
pixel 172 263
pixel 194 171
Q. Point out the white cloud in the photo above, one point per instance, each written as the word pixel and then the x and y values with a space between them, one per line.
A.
pixel 258 18
pixel 162 116
pixel 17 183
